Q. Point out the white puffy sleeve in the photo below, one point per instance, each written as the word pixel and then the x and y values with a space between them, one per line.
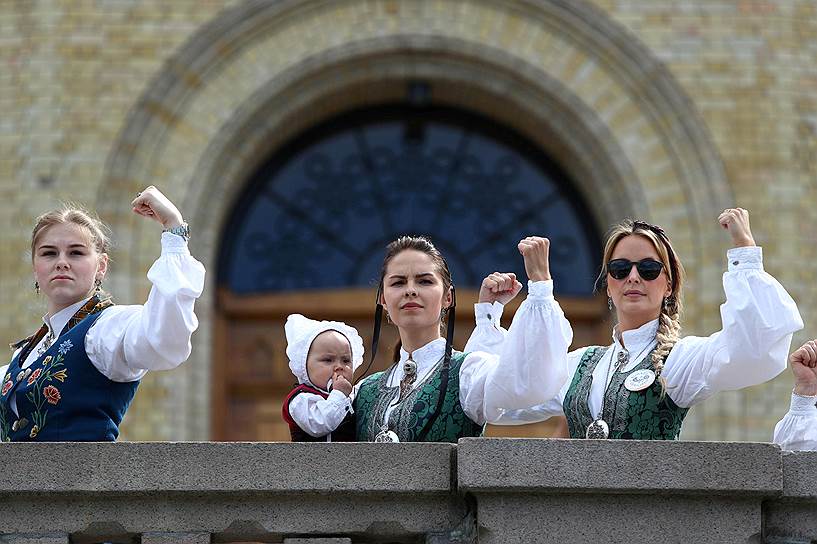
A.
pixel 797 431
pixel 518 369
pixel 127 341
pixel 318 416
pixel 759 318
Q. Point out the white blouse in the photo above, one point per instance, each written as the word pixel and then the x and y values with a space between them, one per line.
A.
pixel 798 428
pixel 759 318
pixel 127 341
pixel 491 385
pixel 318 416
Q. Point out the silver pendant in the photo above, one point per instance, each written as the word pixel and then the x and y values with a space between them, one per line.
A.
pixel 409 367
pixel 47 341
pixel 640 380
pixel 622 359
pixel 598 429
pixel 385 435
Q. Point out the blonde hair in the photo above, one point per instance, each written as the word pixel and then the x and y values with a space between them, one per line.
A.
pixel 96 229
pixel 669 324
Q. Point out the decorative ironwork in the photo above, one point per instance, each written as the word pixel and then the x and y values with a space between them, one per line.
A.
pixel 319 214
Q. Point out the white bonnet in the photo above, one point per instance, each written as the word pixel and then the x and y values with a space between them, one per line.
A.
pixel 301 331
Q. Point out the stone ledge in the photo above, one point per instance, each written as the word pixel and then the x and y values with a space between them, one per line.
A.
pixel 619 466
pixel 799 474
pixel 227 467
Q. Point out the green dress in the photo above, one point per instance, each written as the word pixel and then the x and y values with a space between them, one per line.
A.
pixel 416 410
pixel 649 414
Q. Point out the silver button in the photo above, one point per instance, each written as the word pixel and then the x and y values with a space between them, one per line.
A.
pixel 20 375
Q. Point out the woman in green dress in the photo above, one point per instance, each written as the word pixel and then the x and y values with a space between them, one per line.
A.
pixel 432 393
pixel 642 385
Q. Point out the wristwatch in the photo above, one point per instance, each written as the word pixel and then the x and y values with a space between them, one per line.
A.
pixel 182 230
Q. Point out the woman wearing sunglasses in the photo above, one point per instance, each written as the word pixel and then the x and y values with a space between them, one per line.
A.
pixel 642 385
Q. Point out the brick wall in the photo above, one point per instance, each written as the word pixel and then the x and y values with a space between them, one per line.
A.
pixel 669 110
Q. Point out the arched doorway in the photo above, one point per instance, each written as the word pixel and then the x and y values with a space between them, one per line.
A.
pixel 308 233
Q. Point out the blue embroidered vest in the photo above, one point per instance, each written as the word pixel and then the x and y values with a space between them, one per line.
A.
pixel 62 396
pixel 410 417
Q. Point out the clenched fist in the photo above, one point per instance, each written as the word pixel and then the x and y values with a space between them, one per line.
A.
pixel 499 287
pixel 153 204
pixel 804 367
pixel 736 221
pixel 536 250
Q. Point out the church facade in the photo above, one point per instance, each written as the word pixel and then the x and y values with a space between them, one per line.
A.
pixel 299 136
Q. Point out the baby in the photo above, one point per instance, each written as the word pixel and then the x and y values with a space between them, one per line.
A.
pixel 323 355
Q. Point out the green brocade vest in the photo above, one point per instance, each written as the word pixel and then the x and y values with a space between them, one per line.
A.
pixel 638 415
pixel 409 417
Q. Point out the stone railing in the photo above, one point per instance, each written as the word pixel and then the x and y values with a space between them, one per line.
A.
pixel 483 490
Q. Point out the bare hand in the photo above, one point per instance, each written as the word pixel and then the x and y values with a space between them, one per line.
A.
pixel 153 204
pixel 804 367
pixel 499 287
pixel 736 221
pixel 341 384
pixel 535 251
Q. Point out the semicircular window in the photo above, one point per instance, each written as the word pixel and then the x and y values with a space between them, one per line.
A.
pixel 319 213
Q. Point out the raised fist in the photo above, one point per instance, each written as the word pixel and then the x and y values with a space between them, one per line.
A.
pixel 804 367
pixel 535 251
pixel 736 221
pixel 499 287
pixel 153 204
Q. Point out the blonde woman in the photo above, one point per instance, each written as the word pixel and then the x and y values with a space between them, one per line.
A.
pixel 74 379
pixel 642 385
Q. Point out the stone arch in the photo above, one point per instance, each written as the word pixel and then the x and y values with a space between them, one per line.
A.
pixel 561 72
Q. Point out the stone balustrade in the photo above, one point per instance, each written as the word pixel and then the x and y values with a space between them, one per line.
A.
pixel 482 490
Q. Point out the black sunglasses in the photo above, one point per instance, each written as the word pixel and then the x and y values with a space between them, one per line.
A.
pixel 648 269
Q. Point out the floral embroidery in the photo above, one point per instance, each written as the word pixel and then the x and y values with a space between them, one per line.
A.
pixel 52 394
pixel 41 392
pixel 8 376
pixel 65 347
pixel 34 376
pixel 7 386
